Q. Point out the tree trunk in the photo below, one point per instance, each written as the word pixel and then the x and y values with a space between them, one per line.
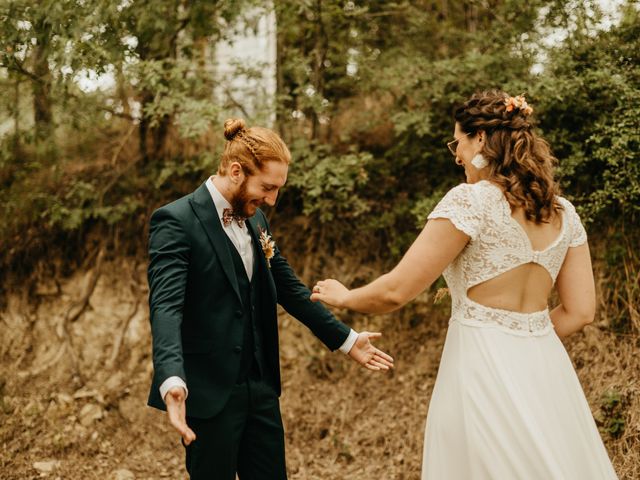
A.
pixel 167 50
pixel 43 116
pixel 280 114
pixel 16 119
pixel 144 127
pixel 320 55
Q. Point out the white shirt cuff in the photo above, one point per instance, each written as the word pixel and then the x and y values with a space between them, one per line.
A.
pixel 172 382
pixel 348 343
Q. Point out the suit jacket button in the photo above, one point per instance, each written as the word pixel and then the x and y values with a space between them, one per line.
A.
pixel 237 349
pixel 238 313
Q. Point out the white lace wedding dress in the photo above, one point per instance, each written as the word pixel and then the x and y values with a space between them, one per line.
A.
pixel 507 404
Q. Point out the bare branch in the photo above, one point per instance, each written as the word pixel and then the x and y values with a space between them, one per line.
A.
pixel 235 103
pixel 16 66
pixel 117 344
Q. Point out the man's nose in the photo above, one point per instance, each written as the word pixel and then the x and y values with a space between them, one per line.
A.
pixel 271 199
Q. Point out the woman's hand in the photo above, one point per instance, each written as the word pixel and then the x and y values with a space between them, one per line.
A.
pixel 331 292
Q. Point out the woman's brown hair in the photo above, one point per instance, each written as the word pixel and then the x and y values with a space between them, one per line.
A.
pixel 251 147
pixel 520 161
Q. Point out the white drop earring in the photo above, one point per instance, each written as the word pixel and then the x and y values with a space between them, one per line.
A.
pixel 479 161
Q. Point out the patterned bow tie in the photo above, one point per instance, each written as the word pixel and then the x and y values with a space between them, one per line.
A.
pixel 228 217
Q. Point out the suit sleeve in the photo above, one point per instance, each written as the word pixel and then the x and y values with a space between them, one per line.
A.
pixel 294 297
pixel 168 265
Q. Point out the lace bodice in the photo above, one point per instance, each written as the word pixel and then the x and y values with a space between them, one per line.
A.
pixel 498 244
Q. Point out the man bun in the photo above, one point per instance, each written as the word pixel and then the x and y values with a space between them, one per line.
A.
pixel 232 127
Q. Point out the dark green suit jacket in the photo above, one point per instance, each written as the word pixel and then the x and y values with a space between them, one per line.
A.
pixel 195 305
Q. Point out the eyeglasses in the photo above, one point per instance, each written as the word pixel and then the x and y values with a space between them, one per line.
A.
pixel 453 145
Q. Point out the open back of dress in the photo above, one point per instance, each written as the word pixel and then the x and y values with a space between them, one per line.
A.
pixel 500 269
pixel 524 288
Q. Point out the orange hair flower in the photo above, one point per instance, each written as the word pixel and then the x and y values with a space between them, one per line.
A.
pixel 518 102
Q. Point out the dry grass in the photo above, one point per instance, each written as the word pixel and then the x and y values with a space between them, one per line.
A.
pixel 342 422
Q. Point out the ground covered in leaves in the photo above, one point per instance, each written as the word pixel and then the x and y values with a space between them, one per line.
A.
pixel 75 362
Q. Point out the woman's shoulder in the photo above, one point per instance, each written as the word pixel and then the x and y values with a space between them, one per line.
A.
pixel 475 196
pixel 577 232
pixel 474 188
pixel 461 194
pixel 479 190
pixel 460 206
pixel 564 202
pixel 487 188
pixel 567 207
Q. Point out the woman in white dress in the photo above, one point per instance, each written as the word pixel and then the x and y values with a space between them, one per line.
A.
pixel 507 403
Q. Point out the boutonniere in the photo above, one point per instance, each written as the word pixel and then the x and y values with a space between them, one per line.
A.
pixel 268 245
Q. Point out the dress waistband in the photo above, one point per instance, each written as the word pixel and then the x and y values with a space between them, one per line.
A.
pixel 526 324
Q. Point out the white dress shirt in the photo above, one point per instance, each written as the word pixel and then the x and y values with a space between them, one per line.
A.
pixel 241 239
pixel 239 235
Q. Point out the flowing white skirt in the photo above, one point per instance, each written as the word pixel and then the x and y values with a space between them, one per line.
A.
pixel 508 407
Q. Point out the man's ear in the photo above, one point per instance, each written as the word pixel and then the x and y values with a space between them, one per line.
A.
pixel 236 174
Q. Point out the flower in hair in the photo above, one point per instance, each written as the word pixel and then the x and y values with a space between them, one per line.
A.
pixel 518 102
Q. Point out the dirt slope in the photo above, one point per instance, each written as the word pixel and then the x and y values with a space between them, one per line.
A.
pixel 72 403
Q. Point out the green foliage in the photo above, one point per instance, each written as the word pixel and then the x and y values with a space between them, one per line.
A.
pixel 329 184
pixel 69 160
pixel 590 110
pixel 418 61
pixel 175 94
pixel 193 168
pixel 611 417
pixel 81 203
pixel 413 63
pixel 365 97
pixel 424 206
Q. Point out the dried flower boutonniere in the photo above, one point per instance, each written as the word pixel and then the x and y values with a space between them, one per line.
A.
pixel 268 246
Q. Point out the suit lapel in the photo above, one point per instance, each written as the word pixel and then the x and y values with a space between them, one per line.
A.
pixel 206 212
pixel 254 227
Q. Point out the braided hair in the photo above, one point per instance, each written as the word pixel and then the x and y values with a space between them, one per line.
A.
pixel 251 147
pixel 520 162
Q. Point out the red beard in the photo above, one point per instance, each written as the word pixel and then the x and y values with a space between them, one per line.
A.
pixel 241 201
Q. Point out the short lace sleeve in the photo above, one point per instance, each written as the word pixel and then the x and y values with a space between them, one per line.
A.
pixel 576 231
pixel 459 207
pixel 579 234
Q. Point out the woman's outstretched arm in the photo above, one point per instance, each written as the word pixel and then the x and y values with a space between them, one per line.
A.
pixel 438 244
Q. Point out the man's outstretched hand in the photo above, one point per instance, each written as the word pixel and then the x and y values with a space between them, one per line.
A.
pixel 369 356
pixel 177 412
